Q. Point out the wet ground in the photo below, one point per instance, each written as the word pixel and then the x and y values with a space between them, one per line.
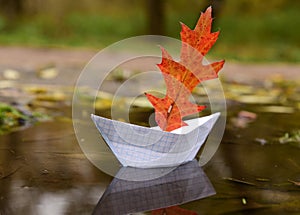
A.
pixel 256 169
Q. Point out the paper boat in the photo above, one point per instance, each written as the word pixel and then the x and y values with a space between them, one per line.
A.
pixel 144 147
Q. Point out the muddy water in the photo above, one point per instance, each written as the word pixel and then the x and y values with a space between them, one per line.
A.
pixel 252 171
pixel 43 171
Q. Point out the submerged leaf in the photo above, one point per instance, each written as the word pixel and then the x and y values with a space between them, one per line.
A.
pixel 297 183
pixel 243 119
pixel 293 137
pixel 50 72
pixel 276 109
pixel 11 74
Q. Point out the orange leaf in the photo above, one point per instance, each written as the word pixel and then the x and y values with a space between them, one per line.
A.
pixel 182 77
pixel 174 210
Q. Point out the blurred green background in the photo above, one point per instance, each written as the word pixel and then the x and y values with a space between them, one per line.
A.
pixel 251 30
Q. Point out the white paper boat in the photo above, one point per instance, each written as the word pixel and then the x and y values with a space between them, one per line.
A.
pixel 144 147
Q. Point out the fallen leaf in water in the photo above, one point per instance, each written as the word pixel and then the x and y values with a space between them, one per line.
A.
pixel 256 99
pixel 243 119
pixel 240 89
pixel 246 114
pixel 36 89
pixel 261 141
pixel 11 74
pixel 292 137
pixel 102 104
pixel 297 183
pixel 47 73
pixel 276 109
pixel 53 97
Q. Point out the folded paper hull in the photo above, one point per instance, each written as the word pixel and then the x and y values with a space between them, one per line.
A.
pixel 144 147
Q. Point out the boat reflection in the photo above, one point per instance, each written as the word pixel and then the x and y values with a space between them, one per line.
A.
pixel 186 183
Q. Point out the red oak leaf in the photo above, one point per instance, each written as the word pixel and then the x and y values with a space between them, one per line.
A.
pixel 183 76
pixel 174 210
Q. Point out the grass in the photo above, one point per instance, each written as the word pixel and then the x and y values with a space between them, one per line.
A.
pixel 268 36
pixel 10 118
pixel 89 31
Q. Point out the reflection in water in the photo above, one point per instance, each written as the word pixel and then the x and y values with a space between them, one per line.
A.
pixel 43 171
pixel 186 183
pixel 176 210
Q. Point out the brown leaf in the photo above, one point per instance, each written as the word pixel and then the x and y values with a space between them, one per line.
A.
pixel 297 183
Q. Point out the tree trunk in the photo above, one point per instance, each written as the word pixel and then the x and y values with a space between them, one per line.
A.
pixel 12 9
pixel 156 17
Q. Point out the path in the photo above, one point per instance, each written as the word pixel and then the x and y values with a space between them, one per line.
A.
pixel 72 61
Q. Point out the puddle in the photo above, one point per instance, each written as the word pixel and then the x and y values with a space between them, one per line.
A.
pixel 43 170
